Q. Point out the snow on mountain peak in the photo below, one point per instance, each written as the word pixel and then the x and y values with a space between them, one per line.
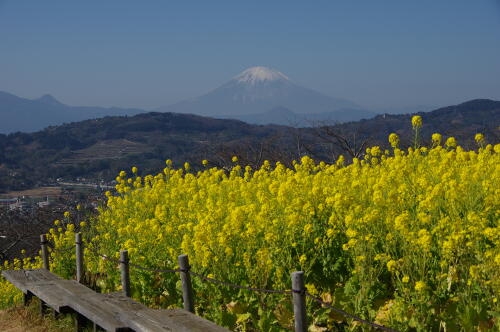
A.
pixel 258 74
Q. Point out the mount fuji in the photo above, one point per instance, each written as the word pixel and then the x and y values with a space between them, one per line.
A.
pixel 263 95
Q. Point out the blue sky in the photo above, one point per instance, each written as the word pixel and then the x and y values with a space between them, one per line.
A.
pixel 379 54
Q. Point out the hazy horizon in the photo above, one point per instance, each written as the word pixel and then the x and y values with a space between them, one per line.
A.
pixel 148 55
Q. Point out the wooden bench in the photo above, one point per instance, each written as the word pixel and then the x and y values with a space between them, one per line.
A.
pixel 112 312
pixel 40 283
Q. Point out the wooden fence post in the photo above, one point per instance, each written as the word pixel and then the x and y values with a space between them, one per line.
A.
pixel 79 257
pixel 124 267
pixel 46 265
pixel 45 252
pixel 81 323
pixel 187 287
pixel 299 301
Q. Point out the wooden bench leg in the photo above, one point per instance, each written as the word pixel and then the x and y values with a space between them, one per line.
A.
pixel 27 297
pixel 97 328
pixel 44 309
pixel 56 314
pixel 81 322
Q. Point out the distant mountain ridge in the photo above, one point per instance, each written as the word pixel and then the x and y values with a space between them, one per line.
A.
pixel 258 95
pixel 259 90
pixel 285 117
pixel 49 100
pixel 30 115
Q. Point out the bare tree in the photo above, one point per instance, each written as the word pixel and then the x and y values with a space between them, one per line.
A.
pixel 338 142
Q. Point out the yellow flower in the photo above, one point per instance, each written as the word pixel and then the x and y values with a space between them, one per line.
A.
pixel 420 286
pixel 479 138
pixel 351 233
pixel 394 140
pixel 451 142
pixel 436 138
pixel 204 162
pixel 405 279
pixel 375 151
pixel 134 170
pixel 391 265
pixel 416 121
pixel 234 159
pixel 360 258
pixel 302 259
pixel 330 232
pixel 66 214
pixel 312 289
pixel 340 161
pixel 474 271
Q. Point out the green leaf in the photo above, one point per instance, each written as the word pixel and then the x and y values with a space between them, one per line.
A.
pixel 241 318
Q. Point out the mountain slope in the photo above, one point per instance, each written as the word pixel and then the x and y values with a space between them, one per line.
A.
pixel 29 115
pixel 462 121
pixel 258 90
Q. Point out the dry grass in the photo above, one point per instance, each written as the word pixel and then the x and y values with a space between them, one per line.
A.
pixel 21 319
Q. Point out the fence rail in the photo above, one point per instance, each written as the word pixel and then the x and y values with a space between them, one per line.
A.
pixel 299 291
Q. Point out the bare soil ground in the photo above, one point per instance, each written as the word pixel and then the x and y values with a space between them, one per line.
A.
pixel 35 192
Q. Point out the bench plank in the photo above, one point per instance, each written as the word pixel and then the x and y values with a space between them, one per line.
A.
pixel 40 283
pixel 18 278
pixel 134 313
pixel 52 295
pixel 89 304
pixel 142 318
pixel 23 279
pixel 183 321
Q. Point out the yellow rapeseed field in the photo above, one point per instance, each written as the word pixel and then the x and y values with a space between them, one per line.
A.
pixel 405 238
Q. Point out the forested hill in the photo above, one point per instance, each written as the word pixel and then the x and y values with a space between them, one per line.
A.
pixel 462 121
pixel 98 149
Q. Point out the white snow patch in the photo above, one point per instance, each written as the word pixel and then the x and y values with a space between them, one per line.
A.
pixel 258 74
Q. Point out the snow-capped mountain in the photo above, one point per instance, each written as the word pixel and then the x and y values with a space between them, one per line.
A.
pixel 256 75
pixel 259 90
